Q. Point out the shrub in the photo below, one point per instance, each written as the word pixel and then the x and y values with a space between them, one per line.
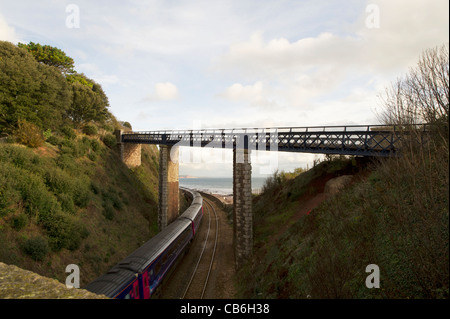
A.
pixel 128 125
pixel 4 202
pixel 54 140
pixel 90 129
pixel 67 162
pixel 38 201
pixel 29 134
pixel 110 140
pixel 68 132
pixel 36 247
pixel 59 181
pixel 67 203
pixel 111 196
pixel 19 222
pixel 95 145
pixel 108 210
pixel 64 232
pixel 47 134
pixel 82 191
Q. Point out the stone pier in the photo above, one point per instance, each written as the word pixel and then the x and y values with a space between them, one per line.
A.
pixel 242 206
pixel 130 153
pixel 168 185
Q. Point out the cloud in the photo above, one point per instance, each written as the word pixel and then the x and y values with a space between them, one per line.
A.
pixel 163 91
pixel 336 74
pixel 257 94
pixel 94 72
pixel 7 33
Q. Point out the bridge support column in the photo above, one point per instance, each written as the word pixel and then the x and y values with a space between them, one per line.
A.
pixel 130 153
pixel 168 185
pixel 242 205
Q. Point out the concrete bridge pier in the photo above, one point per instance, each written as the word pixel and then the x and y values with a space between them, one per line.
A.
pixel 169 201
pixel 242 205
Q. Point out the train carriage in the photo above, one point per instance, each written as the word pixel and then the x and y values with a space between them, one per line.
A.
pixel 139 274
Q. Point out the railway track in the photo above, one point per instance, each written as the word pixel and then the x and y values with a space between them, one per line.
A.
pixel 197 285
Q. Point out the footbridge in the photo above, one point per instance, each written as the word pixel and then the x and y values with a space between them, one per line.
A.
pixel 358 140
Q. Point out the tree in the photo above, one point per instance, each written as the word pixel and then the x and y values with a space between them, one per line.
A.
pixel 423 94
pixel 51 56
pixel 29 90
pixel 88 104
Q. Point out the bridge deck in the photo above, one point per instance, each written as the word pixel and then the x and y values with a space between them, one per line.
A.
pixel 364 140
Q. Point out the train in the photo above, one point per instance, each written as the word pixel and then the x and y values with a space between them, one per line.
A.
pixel 140 274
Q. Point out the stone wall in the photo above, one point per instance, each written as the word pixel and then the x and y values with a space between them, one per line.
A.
pixel 17 283
pixel 168 186
pixel 130 153
pixel 242 206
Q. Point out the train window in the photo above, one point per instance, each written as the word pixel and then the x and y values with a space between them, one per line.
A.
pixel 136 291
pixel 158 267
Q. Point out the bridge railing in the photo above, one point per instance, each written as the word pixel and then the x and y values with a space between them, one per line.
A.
pixel 377 140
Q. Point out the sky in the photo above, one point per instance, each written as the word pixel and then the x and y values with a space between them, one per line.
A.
pixel 179 64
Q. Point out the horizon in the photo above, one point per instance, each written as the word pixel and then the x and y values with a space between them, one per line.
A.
pixel 230 63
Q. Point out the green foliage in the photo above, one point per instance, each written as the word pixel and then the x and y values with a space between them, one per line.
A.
pixel 90 129
pixel 88 104
pixel 64 231
pixel 50 55
pixel 48 194
pixel 29 134
pixel 396 218
pixel 36 247
pixel 110 140
pixel 19 222
pixel 57 192
pixel 37 87
pixel 127 125
pixel 108 210
pixel 80 78
pixel 30 91
pixel 47 134
pixel 54 140
pixel 68 132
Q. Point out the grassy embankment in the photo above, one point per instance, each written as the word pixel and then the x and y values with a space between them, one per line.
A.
pixel 393 214
pixel 72 201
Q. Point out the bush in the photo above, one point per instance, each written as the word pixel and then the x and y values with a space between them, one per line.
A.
pixel 67 203
pixel 19 222
pixel 110 140
pixel 90 129
pixel 68 132
pixel 54 140
pixel 110 195
pixel 108 210
pixel 29 134
pixel 82 191
pixel 4 202
pixel 36 247
pixel 64 232
pixel 95 145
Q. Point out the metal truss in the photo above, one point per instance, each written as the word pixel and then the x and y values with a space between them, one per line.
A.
pixel 363 140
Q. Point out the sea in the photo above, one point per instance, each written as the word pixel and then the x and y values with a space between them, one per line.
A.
pixel 218 185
